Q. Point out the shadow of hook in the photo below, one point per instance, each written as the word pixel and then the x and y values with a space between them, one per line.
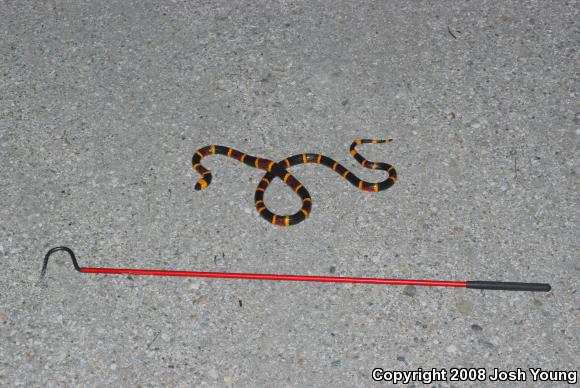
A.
pixel 56 249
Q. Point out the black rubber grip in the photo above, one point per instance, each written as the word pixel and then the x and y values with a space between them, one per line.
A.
pixel 509 286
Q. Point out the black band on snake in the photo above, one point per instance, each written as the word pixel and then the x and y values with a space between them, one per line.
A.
pixel 280 170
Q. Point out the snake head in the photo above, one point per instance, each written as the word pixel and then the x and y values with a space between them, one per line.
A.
pixel 201 184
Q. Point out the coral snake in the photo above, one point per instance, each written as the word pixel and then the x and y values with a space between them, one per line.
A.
pixel 280 170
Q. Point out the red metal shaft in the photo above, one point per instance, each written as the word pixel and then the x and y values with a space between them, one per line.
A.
pixel 259 276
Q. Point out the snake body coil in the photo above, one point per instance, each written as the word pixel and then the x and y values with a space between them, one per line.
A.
pixel 280 170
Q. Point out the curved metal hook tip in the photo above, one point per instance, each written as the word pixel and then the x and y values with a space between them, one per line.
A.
pixel 56 249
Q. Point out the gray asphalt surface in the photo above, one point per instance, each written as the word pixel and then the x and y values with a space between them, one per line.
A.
pixel 102 105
